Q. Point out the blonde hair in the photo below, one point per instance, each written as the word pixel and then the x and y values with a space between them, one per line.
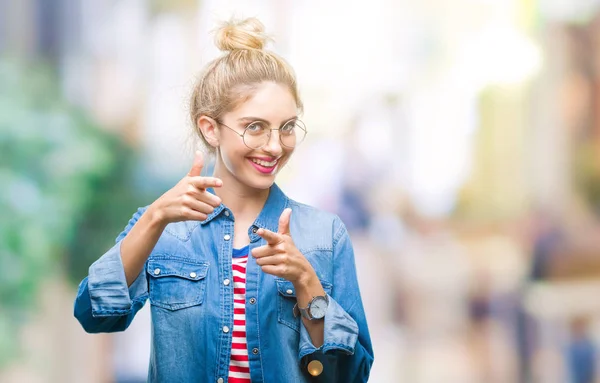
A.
pixel 231 79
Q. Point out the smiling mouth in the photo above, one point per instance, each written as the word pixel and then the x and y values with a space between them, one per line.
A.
pixel 264 167
pixel 265 164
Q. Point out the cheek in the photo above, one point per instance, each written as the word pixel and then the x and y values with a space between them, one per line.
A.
pixel 234 157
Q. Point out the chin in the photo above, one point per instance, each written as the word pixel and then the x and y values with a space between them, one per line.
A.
pixel 258 183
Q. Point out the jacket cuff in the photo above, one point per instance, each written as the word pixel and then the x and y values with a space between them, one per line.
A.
pixel 340 332
pixel 107 284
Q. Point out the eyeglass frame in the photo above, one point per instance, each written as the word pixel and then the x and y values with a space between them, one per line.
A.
pixel 270 130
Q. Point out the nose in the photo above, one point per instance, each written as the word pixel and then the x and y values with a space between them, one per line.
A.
pixel 273 146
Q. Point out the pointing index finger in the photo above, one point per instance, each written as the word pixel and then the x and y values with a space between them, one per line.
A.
pixel 206 182
pixel 269 236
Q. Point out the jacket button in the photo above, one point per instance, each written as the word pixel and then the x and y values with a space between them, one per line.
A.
pixel 220 380
pixel 192 275
pixel 226 213
pixel 227 237
pixel 315 368
pixel 254 229
pixel 289 291
pixel 252 301
pixel 156 271
pixel 226 282
pixel 255 351
pixel 225 329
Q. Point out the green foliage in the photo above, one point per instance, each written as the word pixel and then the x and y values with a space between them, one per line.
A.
pixel 64 191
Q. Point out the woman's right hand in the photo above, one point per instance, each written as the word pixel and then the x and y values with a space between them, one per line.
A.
pixel 188 200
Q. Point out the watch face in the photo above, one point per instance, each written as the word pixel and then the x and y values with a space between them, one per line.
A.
pixel 318 308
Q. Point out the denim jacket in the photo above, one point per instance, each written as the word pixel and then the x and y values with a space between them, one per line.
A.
pixel 192 307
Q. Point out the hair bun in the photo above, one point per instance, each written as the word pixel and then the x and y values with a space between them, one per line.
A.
pixel 241 34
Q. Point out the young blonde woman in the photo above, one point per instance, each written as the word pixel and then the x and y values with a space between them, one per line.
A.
pixel 245 284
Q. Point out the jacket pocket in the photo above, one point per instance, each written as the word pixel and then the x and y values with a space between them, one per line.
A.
pixel 176 283
pixel 286 298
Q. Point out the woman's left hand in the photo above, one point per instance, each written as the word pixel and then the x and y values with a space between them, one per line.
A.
pixel 280 256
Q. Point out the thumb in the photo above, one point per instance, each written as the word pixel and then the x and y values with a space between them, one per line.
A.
pixel 284 222
pixel 198 165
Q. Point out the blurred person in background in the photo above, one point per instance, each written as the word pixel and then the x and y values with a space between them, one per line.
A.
pixel 581 352
pixel 243 282
pixel 564 259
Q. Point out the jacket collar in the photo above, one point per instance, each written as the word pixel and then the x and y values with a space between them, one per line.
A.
pixel 268 218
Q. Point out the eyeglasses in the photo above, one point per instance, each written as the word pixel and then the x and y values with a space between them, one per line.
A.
pixel 257 133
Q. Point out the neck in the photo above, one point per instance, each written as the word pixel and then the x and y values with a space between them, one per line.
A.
pixel 245 202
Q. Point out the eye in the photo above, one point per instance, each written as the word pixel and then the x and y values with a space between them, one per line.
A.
pixel 288 128
pixel 255 127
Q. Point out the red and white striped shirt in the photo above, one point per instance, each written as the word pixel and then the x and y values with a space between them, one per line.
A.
pixel 239 368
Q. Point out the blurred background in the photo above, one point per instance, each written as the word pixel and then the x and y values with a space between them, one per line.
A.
pixel 459 140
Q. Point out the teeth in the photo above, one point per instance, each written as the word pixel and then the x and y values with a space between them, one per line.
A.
pixel 264 163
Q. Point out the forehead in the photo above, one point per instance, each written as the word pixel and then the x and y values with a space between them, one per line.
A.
pixel 268 100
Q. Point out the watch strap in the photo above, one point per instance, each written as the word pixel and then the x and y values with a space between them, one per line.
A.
pixel 305 312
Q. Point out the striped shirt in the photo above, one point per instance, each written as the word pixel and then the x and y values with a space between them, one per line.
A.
pixel 239 368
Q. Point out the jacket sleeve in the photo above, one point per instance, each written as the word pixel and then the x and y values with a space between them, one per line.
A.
pixel 347 353
pixel 104 302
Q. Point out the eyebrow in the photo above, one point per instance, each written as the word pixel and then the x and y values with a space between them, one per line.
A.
pixel 253 119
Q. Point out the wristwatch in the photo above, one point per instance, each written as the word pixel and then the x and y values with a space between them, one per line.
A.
pixel 316 308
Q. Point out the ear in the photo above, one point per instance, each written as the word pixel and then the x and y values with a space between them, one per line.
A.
pixel 208 128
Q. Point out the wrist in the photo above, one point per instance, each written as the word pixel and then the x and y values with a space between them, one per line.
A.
pixel 156 216
pixel 308 280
